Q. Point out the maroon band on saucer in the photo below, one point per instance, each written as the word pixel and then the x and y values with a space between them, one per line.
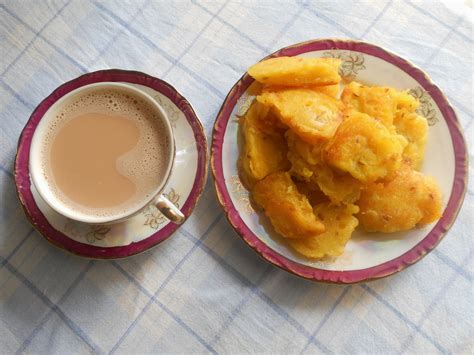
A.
pixel 387 268
pixel 22 177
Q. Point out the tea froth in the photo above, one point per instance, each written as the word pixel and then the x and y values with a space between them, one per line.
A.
pixel 106 152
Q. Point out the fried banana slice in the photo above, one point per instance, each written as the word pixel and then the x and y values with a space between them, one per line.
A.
pixel 311 115
pixel 289 211
pixel 311 153
pixel 296 71
pixel 307 165
pixel 312 192
pixel 330 90
pixel 407 102
pixel 378 102
pixel 408 200
pixel 365 148
pixel 413 127
pixel 264 150
pixel 339 222
pixel 339 187
pixel 392 107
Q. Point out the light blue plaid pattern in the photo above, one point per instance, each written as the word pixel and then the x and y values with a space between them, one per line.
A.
pixel 204 290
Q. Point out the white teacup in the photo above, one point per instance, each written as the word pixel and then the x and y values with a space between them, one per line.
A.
pixel 40 178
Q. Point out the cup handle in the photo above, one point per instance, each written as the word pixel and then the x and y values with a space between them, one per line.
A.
pixel 169 210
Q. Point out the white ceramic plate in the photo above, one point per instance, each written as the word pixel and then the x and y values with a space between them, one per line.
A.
pixel 367 256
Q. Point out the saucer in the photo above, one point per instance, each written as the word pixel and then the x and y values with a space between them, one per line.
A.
pixel 149 227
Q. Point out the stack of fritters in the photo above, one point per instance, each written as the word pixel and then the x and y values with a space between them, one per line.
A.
pixel 318 165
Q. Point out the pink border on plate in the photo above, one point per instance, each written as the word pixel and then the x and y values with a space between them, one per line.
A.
pixel 22 177
pixel 351 276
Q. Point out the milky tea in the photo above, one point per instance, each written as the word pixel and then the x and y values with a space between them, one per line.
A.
pixel 105 152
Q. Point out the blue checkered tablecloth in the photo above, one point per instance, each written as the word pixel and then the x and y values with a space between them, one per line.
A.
pixel 204 290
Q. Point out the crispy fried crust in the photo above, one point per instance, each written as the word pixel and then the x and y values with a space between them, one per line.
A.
pixel 264 148
pixel 312 192
pixel 296 71
pixel 406 102
pixel 396 110
pixel 339 187
pixel 376 101
pixel 330 90
pixel 311 115
pixel 413 127
pixel 365 148
pixel 352 159
pixel 307 164
pixel 339 222
pixel 288 210
pixel 407 200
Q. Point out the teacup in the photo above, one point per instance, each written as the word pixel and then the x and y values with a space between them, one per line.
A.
pixel 51 145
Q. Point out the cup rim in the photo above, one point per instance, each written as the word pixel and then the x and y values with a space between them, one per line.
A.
pixel 35 160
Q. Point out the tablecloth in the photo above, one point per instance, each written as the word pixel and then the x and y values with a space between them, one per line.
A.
pixel 204 290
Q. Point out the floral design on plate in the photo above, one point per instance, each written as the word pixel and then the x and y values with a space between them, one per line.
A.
pixel 365 257
pixel 240 190
pixel 154 218
pixel 243 104
pixel 426 108
pixel 352 63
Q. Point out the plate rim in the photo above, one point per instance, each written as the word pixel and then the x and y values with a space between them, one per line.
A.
pixel 385 269
pixel 23 183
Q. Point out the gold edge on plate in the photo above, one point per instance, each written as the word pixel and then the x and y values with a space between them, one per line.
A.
pixel 402 266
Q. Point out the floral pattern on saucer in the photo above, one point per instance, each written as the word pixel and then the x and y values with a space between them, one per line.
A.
pixel 154 218
pixel 148 227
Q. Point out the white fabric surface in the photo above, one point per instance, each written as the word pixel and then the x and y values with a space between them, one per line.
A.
pixel 204 290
